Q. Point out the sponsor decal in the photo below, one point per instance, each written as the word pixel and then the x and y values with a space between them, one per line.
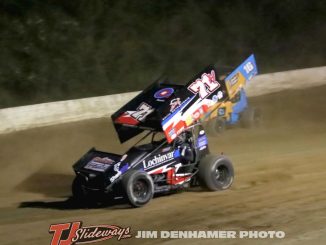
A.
pixel 202 132
pixel 99 164
pixel 180 130
pixel 221 111
pixel 143 110
pixel 172 133
pixel 175 179
pixel 202 141
pixel 164 93
pixel 218 96
pixel 166 149
pixel 126 118
pixel 74 233
pixel 178 109
pixel 158 177
pixel 248 67
pixel 204 86
pixel 203 147
pixel 175 103
pixel 104 160
pixel 234 79
pixel 158 159
pixel 119 170
pixel 163 169
pixel 134 117
pixel 197 114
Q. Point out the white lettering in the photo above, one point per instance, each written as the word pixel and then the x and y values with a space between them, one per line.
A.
pixel 157 160
pixel 261 234
pixel 146 234
pixel 204 86
pixel 207 234
pixel 165 234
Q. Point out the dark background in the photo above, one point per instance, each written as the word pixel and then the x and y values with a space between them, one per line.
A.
pixel 59 49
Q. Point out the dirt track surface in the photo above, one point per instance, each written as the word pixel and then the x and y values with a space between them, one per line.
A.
pixel 280 180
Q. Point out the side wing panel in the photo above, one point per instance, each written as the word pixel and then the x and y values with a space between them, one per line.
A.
pixel 141 112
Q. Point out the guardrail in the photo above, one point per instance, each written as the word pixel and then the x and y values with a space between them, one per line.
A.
pixel 32 116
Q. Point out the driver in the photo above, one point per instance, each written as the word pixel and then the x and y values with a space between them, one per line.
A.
pixel 184 144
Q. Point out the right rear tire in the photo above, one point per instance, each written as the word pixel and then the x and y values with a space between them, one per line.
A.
pixel 215 173
pixel 248 117
pixel 216 126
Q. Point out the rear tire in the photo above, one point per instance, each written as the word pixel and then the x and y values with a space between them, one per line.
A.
pixel 216 126
pixel 139 187
pixel 80 195
pixel 215 173
pixel 78 191
pixel 248 117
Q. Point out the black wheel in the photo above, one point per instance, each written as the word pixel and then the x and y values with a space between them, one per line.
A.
pixel 139 187
pixel 78 190
pixel 80 195
pixel 216 126
pixel 215 173
pixel 251 117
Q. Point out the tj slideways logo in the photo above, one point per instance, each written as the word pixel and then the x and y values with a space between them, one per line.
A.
pixel 74 233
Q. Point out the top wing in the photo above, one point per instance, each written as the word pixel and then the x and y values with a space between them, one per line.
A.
pixel 239 77
pixel 172 108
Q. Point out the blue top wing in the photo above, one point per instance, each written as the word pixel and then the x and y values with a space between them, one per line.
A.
pixel 248 69
pixel 241 75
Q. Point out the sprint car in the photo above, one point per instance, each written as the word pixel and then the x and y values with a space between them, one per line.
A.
pixel 235 110
pixel 172 151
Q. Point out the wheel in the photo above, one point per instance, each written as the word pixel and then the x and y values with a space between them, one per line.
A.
pixel 248 117
pixel 215 173
pixel 81 196
pixel 216 126
pixel 78 190
pixel 251 117
pixel 139 187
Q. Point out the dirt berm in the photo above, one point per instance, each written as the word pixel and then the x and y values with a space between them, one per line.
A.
pixel 280 179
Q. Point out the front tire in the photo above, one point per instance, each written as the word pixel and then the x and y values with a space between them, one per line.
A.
pixel 215 173
pixel 139 187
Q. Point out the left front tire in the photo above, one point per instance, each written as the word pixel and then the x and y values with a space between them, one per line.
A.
pixel 139 187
